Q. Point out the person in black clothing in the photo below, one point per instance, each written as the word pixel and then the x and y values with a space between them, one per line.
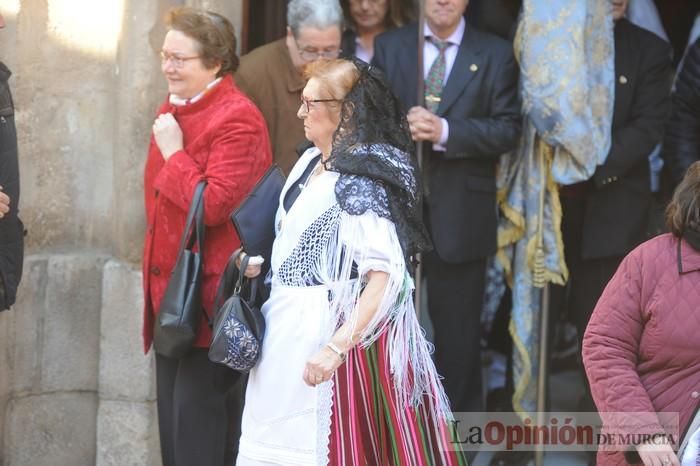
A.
pixel 11 228
pixel 606 216
pixel 682 141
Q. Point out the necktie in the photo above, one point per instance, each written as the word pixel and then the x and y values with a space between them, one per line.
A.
pixel 436 75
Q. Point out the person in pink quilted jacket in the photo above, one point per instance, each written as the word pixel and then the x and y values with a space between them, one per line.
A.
pixel 641 349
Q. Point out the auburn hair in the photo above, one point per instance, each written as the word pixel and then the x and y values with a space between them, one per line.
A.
pixel 213 32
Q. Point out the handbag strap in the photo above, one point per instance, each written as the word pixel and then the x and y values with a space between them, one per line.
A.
pixel 195 216
pixel 226 282
pixel 241 280
pixel 228 287
pixel 241 273
pixel 253 289
pixel 199 221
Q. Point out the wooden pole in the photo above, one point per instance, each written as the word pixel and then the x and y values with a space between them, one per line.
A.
pixel 545 153
pixel 420 90
pixel 544 370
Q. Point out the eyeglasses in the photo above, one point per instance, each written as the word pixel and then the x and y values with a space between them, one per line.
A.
pixel 176 60
pixel 305 102
pixel 371 2
pixel 310 54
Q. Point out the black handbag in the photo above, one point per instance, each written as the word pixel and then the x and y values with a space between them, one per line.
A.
pixel 181 308
pixel 254 219
pixel 239 325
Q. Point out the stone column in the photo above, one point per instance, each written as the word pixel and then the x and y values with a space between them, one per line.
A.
pixel 127 432
pixel 54 331
pixel 64 86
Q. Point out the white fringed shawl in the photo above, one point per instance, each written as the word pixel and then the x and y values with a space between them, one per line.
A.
pixel 331 249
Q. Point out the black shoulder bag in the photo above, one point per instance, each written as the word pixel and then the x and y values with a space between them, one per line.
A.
pixel 181 309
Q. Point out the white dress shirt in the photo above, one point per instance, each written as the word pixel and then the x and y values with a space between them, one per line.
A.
pixel 361 52
pixel 430 53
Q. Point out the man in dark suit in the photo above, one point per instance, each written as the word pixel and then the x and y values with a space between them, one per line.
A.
pixel 473 117
pixel 607 216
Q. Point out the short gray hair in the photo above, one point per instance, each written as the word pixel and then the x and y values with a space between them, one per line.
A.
pixel 319 14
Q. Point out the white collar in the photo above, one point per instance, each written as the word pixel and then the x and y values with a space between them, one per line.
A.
pixel 177 101
pixel 455 38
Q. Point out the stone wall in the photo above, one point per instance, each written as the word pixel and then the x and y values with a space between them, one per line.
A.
pixel 53 344
pixel 75 388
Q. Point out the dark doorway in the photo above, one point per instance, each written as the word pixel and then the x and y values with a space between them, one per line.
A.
pixel 678 17
pixel 266 22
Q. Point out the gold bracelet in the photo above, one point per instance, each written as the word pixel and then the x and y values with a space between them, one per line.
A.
pixel 336 350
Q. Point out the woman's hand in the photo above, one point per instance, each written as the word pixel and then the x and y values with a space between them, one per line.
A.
pixel 167 134
pixel 320 367
pixel 254 265
pixel 252 271
pixel 657 454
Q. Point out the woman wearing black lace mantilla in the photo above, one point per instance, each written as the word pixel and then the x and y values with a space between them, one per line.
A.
pixel 346 376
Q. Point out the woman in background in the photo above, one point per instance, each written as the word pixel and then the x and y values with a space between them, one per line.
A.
pixel 369 18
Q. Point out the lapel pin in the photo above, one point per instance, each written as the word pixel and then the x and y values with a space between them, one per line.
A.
pixel 623 79
pixel 473 68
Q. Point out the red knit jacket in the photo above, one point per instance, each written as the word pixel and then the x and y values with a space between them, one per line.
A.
pixel 225 143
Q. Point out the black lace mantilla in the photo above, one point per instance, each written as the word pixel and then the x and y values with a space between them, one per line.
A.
pixel 358 194
pixel 375 156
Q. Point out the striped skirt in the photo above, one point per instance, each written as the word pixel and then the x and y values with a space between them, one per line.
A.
pixel 369 427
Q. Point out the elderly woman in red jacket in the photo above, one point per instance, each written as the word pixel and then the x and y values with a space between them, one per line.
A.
pixel 641 349
pixel 206 129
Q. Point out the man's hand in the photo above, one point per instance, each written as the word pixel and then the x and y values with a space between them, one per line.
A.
pixel 4 203
pixel 424 125
pixel 168 135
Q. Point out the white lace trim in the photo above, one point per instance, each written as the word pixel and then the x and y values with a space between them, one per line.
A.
pixel 323 421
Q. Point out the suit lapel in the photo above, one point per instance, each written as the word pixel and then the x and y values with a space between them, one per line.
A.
pixel 625 76
pixel 467 65
pixel 408 64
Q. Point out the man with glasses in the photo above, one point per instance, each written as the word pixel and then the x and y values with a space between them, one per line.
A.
pixel 271 75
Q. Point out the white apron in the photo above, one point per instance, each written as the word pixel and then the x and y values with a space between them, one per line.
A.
pixel 281 414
